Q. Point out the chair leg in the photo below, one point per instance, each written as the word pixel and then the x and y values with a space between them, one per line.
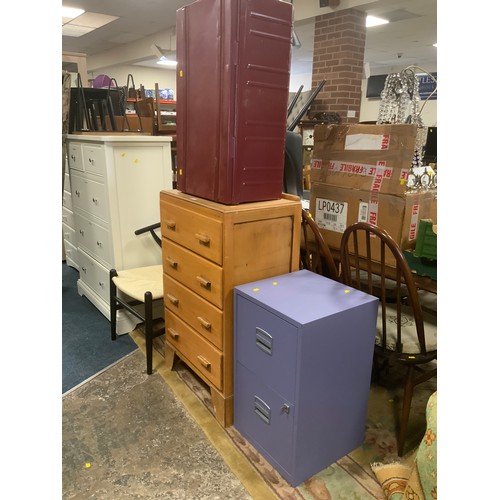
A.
pixel 112 302
pixel 148 315
pixel 405 413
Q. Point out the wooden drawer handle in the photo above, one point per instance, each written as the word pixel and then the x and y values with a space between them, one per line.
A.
pixel 173 333
pixel 174 300
pixel 204 282
pixel 204 323
pixel 203 238
pixel 204 362
pixel 171 262
pixel 170 224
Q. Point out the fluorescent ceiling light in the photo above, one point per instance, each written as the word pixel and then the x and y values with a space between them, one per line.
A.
pixel 77 22
pixel 71 12
pixel 375 21
pixel 166 62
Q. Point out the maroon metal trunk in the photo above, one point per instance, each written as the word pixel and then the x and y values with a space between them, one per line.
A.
pixel 233 75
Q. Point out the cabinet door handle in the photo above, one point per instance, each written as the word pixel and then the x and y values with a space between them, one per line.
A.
pixel 173 333
pixel 171 262
pixel 82 232
pixel 204 362
pixel 77 193
pixel 204 282
pixel 204 323
pixel 94 200
pixel 170 225
pixel 203 238
pixel 99 244
pixel 174 300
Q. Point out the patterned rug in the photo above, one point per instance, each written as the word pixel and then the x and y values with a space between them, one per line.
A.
pixel 349 478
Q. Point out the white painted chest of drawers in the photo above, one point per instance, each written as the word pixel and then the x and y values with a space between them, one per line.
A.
pixel 115 189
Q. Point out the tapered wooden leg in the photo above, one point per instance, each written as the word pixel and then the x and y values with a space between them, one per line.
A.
pixel 405 413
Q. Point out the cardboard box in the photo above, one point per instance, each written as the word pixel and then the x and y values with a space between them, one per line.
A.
pixel 370 157
pixel 335 208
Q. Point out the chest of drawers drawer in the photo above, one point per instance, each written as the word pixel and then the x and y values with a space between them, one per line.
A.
pixel 69 234
pixel 94 159
pixel 202 316
pixel 68 217
pixel 93 238
pixel 203 356
pixel 193 271
pixel 195 231
pixel 90 196
pixel 94 275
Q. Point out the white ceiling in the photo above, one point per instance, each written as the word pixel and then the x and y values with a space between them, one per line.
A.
pixel 406 40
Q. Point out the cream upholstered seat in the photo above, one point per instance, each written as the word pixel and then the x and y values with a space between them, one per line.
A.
pixel 135 290
pixel 406 333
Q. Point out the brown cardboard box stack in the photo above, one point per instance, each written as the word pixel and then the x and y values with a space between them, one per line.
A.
pixel 359 172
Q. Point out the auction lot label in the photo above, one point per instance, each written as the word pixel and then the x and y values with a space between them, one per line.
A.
pixel 331 215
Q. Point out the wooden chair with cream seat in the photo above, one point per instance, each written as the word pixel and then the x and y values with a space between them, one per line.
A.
pixel 406 334
pixel 135 290
pixel 315 255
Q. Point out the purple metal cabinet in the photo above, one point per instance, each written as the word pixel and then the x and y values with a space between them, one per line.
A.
pixel 233 71
pixel 303 359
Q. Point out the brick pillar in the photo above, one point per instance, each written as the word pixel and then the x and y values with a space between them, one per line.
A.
pixel 339 46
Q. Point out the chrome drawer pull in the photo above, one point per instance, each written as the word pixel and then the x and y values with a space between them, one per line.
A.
pixel 171 262
pixel 173 333
pixel 204 282
pixel 204 239
pixel 204 323
pixel 173 300
pixel 285 408
pixel 170 225
pixel 204 362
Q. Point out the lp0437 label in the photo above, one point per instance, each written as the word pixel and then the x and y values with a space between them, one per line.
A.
pixel 331 215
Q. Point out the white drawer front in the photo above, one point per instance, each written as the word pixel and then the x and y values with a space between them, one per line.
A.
pixel 89 196
pixel 94 275
pixel 93 238
pixel 75 156
pixel 69 234
pixel 71 252
pixel 67 184
pixel 67 201
pixel 68 217
pixel 94 159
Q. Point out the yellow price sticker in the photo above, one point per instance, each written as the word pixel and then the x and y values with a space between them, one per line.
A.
pixel 256 289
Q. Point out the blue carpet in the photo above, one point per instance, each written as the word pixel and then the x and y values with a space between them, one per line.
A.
pixel 87 347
